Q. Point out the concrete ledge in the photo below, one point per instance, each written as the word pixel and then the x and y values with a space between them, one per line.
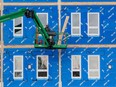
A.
pixel 88 3
pixel 19 46
pixel 57 3
pixel 93 46
pixel 29 4
pixel 69 46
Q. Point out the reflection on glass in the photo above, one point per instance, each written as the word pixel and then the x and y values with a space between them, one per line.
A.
pixel 42 74
pixel 18 74
pixel 18 31
pixel 18 22
pixel 42 62
pixel 76 73
pixel 76 62
pixel 18 63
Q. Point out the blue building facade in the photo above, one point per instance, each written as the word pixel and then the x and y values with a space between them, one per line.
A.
pixel 106 24
pixel 29 75
pixel 80 67
pixel 28 24
pixel 107 75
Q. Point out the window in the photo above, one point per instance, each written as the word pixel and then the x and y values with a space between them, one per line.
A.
pixel 42 66
pixel 43 18
pixel 93 24
pixel 93 66
pixel 18 26
pixel 76 66
pixel 18 67
pixel 76 24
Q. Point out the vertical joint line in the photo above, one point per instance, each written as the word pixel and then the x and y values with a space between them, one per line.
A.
pixel 59 54
pixel 2 44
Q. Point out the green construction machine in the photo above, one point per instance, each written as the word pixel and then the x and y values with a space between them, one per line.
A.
pixel 48 36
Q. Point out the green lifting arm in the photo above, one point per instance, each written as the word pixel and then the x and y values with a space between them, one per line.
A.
pixel 47 35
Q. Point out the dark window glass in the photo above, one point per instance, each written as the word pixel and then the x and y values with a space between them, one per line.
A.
pixel 42 74
pixel 76 74
pixel 18 74
pixel 18 31
pixel 42 63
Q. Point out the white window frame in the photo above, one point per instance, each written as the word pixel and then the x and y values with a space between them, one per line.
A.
pixel 14 34
pixel 40 20
pixel 75 69
pixel 77 26
pixel 47 70
pixel 98 70
pixel 98 27
pixel 14 67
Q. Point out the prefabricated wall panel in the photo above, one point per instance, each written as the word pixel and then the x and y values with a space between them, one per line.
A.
pixel 107 24
pixel 107 75
pixel 29 28
pixel 29 75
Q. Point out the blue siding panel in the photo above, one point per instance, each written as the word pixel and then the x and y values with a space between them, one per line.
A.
pixel 28 24
pixel 107 24
pixel 30 75
pixel 106 74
